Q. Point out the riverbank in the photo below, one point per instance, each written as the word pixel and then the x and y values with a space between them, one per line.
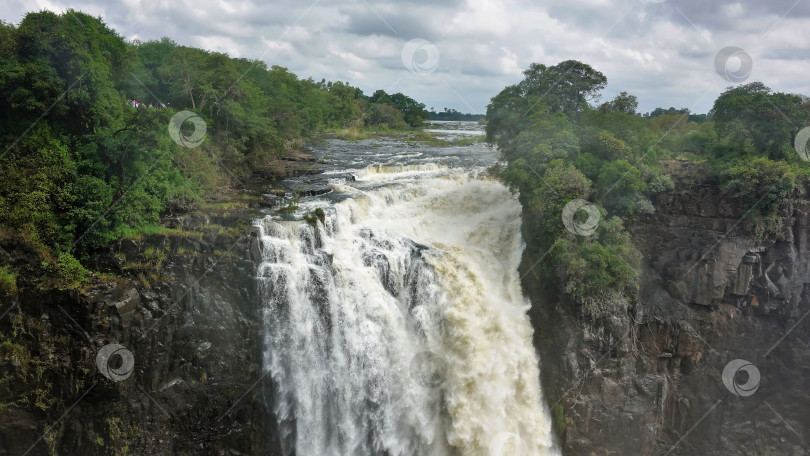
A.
pixel 424 135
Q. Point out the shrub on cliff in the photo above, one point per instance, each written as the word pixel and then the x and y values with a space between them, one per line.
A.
pixel 764 186
pixel 589 266
pixel 8 281
pixel 65 272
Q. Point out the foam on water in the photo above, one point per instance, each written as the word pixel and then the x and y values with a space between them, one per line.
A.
pixel 409 267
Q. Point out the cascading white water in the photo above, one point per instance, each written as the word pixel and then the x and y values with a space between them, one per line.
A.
pixel 398 326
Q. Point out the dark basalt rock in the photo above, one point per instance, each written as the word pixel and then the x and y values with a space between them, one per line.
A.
pixel 193 325
pixel 646 380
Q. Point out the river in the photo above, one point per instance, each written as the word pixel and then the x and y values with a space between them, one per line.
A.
pixel 397 326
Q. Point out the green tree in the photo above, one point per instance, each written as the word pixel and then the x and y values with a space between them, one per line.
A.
pixel 414 112
pixel 623 102
pixel 620 186
pixel 344 107
pixel 565 87
pixel 546 137
pixel 767 186
pixel 751 119
pixel 507 116
pixel 384 114
pixel 592 268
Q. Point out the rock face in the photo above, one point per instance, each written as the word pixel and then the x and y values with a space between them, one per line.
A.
pixel 190 317
pixel 647 379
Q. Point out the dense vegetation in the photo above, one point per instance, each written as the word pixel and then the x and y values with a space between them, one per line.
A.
pixel 558 147
pixel 82 166
pixel 412 112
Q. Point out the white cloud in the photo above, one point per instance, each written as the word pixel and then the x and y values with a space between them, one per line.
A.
pixel 219 44
pixel 662 52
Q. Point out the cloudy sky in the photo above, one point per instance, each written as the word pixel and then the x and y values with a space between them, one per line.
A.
pixel 466 51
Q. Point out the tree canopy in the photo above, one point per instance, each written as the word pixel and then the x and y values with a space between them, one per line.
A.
pixel 751 119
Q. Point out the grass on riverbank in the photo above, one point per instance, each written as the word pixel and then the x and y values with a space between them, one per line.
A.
pixel 412 136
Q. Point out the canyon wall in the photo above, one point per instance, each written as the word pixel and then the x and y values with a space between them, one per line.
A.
pixel 187 311
pixel 645 377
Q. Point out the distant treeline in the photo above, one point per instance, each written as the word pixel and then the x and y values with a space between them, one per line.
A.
pixel 697 118
pixel 81 165
pixel 452 114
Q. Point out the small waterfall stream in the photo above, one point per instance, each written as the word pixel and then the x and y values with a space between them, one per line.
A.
pixel 397 326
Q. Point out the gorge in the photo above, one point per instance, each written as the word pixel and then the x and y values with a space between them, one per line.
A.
pixel 386 328
pixel 209 255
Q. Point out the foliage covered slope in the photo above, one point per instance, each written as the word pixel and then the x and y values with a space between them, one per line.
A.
pixel 81 166
pixel 558 148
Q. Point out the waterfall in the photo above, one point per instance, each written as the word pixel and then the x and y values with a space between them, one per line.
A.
pixel 398 326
